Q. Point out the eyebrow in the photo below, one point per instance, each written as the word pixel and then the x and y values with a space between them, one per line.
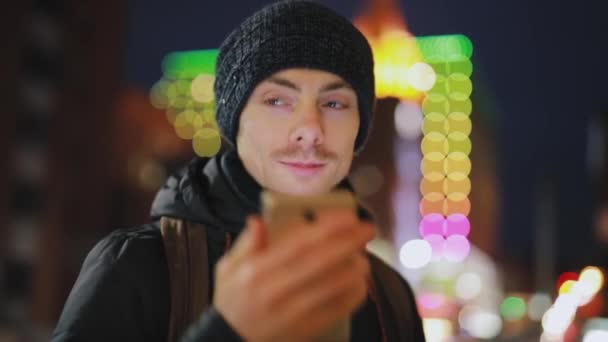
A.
pixel 328 87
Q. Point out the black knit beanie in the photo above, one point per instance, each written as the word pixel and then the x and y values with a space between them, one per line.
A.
pixel 290 34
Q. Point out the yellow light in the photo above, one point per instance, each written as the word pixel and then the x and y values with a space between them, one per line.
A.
pixel 434 122
pixel 435 142
pixel 184 124
pixel 395 52
pixel 437 103
pixel 567 286
pixel 202 88
pixel 432 165
pixel 457 162
pixel 206 142
pixel 458 122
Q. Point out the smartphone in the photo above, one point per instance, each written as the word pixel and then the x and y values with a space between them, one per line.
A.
pixel 282 213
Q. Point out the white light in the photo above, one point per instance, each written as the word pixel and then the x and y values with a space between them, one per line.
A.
pixel 566 301
pixel 594 278
pixel 415 254
pixel 546 337
pixel 555 322
pixel 480 323
pixel 421 76
pixel 468 286
pixel 537 306
pixel 437 330
pixel 596 336
pixel 408 120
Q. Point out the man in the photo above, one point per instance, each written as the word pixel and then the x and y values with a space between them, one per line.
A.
pixel 294 92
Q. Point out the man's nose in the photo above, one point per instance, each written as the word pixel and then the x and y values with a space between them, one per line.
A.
pixel 309 128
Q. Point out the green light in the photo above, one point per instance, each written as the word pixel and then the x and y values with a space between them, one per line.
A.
pixel 513 308
pixel 445 48
pixel 189 64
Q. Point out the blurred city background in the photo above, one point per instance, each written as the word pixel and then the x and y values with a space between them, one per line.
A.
pixel 486 166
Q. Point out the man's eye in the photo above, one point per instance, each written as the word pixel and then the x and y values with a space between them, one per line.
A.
pixel 335 105
pixel 274 102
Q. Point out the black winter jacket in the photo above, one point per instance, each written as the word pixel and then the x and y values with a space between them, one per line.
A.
pixel 122 291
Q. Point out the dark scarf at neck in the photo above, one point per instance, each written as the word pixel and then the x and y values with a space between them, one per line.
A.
pixel 248 190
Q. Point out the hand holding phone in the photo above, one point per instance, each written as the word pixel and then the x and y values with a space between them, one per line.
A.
pixel 284 213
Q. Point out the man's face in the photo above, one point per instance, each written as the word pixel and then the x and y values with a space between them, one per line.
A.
pixel 297 131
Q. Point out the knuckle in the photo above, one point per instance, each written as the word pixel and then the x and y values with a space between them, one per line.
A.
pixel 251 273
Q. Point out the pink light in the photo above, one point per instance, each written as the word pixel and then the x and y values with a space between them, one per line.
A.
pixel 437 243
pixel 457 224
pixel 456 248
pixel 431 300
pixel 432 224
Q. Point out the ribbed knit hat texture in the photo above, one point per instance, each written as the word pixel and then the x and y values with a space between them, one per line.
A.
pixel 291 34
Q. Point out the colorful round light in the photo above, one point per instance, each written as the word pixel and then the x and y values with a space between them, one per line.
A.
pixel 415 254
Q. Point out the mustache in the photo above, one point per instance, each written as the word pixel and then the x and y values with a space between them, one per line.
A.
pixel 318 153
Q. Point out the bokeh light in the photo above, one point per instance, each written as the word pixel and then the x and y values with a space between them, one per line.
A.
pixel 468 286
pixel 206 142
pixel 408 120
pixel 415 254
pixel 479 323
pixel 202 88
pixel 432 224
pixel 421 76
pixel 592 276
pixel 538 304
pixel 596 336
pixel 457 224
pixel 459 105
pixel 567 286
pixel 564 277
pixel 435 142
pixel 555 322
pixel 367 180
pixel 513 308
pixel 434 122
pixel 456 248
pixel 431 301
pixel 437 329
pixel 459 85
pixel 185 92
pixel 432 166
pixel 395 52
pixel 459 122
pixel 457 162
pixel 437 243
pixel 428 185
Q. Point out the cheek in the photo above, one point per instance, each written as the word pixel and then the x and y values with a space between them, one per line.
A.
pixel 342 133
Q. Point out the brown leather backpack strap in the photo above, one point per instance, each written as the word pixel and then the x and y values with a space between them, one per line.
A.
pixel 198 270
pixel 399 298
pixel 187 260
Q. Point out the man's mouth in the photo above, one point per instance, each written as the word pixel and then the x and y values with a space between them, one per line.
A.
pixel 299 168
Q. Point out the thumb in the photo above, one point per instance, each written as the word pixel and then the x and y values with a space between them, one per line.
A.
pixel 255 225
